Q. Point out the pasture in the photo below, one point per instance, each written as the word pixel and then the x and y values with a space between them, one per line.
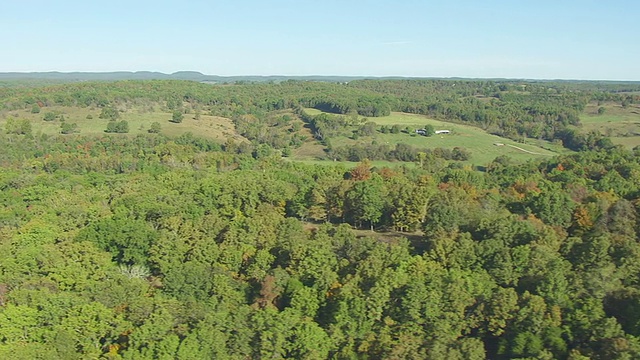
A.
pixel 481 144
pixel 213 127
pixel 620 124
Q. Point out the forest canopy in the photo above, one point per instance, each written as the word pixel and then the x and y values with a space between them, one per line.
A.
pixel 147 246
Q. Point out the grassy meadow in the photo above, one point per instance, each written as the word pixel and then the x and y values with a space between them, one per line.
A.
pixel 481 144
pixel 213 127
pixel 621 124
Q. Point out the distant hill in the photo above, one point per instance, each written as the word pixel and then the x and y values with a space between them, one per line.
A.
pixel 151 75
pixel 66 77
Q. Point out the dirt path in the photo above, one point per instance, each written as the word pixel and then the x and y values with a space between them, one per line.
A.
pixel 527 151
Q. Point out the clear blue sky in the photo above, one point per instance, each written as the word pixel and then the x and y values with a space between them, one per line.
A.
pixel 559 39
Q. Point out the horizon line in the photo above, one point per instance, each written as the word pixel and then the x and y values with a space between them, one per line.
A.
pixel 195 72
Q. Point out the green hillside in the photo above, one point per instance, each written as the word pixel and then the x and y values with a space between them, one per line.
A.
pixel 139 121
pixel 620 124
pixel 484 147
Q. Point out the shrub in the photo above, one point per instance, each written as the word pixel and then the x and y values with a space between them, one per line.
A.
pixel 18 127
pixel 50 116
pixel 67 128
pixel 120 127
pixel 155 128
pixel 177 116
pixel 109 113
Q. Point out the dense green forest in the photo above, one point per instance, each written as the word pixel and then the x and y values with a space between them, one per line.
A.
pixel 155 247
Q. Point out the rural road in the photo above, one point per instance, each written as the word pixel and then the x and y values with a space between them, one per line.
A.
pixel 527 151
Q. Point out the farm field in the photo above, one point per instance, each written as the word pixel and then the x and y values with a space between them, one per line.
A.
pixel 481 144
pixel 620 124
pixel 213 127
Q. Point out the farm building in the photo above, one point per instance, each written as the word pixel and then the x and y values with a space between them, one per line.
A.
pixel 424 132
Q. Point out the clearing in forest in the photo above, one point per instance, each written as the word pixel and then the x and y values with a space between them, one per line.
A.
pixel 620 124
pixel 480 143
pixel 89 123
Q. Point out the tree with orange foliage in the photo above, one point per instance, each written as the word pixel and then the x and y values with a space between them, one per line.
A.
pixel 362 171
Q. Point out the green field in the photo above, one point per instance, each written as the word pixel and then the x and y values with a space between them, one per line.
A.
pixel 481 144
pixel 213 127
pixel 622 125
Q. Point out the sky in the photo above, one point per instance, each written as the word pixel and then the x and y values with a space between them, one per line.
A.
pixel 559 39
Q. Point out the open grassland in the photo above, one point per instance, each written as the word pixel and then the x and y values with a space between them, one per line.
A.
pixel 481 144
pixel 309 150
pixel 213 127
pixel 621 124
pixel 312 111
